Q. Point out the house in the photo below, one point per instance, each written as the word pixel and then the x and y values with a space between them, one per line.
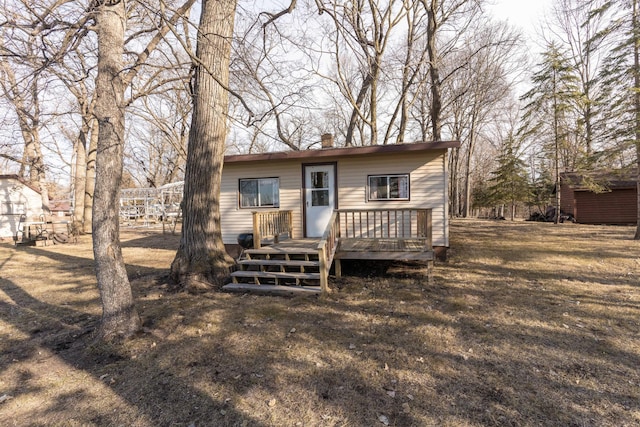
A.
pixel 60 208
pixel 379 194
pixel 17 198
pixel 600 197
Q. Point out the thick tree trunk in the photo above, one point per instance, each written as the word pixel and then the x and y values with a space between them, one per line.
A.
pixel 119 316
pixel 373 124
pixel 201 262
pixel 355 112
pixel 434 70
pixel 29 121
pixel 636 99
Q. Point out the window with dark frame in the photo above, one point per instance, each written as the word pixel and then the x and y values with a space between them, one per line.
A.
pixel 388 187
pixel 259 193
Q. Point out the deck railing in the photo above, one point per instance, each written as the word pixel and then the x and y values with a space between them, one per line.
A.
pixel 348 224
pixel 386 224
pixel 327 249
pixel 271 225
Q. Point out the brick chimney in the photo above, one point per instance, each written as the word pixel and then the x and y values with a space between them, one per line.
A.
pixel 327 140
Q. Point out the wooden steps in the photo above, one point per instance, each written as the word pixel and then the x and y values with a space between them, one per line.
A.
pixel 272 289
pixel 278 262
pixel 263 277
pixel 279 271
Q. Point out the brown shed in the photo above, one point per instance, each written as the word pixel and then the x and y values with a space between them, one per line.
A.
pixel 601 197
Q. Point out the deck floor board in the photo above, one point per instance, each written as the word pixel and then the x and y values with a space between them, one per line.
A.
pixel 355 248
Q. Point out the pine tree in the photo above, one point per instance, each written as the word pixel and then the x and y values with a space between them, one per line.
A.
pixel 510 182
pixel 549 116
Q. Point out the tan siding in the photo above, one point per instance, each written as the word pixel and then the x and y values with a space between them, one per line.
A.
pixel 235 220
pixel 427 184
pixel 427 187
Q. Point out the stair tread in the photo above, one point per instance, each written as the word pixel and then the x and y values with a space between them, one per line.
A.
pixel 275 274
pixel 272 289
pixel 268 250
pixel 292 263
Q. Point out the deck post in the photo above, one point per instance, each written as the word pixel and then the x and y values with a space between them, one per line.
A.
pixel 257 238
pixel 429 229
pixel 429 273
pixel 324 271
pixel 338 267
pixel 290 223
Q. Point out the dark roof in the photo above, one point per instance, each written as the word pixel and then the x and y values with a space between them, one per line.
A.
pixel 601 179
pixel 59 205
pixel 343 151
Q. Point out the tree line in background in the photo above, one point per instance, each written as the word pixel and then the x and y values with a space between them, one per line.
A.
pixel 163 87
pixel 582 111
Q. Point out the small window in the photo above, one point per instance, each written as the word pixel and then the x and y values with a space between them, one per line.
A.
pixel 320 188
pixel 260 193
pixel 389 187
pixel 9 208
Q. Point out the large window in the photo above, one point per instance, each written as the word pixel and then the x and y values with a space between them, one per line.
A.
pixel 389 187
pixel 260 192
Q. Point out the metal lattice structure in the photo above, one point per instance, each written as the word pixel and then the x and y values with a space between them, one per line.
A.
pixel 152 205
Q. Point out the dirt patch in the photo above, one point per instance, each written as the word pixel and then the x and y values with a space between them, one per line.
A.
pixel 527 324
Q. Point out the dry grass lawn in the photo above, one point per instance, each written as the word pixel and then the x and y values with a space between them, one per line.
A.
pixel 528 324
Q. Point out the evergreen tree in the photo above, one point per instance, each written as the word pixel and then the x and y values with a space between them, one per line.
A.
pixel 510 182
pixel 549 116
pixel 482 198
pixel 542 190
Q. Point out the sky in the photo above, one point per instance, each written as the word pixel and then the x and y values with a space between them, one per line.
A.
pixel 526 14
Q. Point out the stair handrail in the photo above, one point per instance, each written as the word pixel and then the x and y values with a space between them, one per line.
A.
pixel 271 224
pixel 327 249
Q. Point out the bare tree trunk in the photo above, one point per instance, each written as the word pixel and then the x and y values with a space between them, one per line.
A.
pixel 434 70
pixel 40 174
pixel 201 260
pixel 119 316
pixel 556 160
pixel 355 113
pixel 636 99
pixel 467 173
pixel 27 108
pixel 373 114
pixel 80 176
pixel 635 25
pixel 454 196
pixel 90 182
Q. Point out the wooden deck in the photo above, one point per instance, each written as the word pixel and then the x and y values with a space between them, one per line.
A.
pixel 304 264
pixel 377 249
pixel 384 249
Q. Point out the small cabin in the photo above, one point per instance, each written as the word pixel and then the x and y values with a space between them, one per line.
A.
pixel 313 183
pixel 384 202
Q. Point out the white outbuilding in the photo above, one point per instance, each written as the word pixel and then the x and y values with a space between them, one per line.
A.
pixel 17 199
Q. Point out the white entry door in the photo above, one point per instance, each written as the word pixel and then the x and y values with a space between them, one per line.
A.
pixel 319 197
